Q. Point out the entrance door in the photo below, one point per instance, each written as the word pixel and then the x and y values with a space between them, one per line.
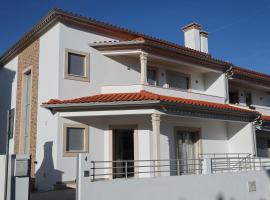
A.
pixel 123 153
pixel 186 151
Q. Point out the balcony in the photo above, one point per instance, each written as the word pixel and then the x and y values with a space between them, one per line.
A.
pixel 188 94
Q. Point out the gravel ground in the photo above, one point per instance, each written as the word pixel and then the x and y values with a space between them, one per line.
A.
pixel 65 194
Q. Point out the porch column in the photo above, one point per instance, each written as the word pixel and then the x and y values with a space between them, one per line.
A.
pixel 143 61
pixel 156 140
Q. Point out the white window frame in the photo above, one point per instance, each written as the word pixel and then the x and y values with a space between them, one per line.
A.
pixel 67 153
pixel 75 77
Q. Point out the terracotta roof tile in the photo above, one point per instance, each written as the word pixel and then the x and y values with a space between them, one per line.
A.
pixel 241 72
pixel 147 96
pixel 265 118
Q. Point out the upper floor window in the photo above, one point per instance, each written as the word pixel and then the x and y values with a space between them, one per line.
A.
pixel 152 76
pixel 234 97
pixel 76 65
pixel 248 98
pixel 177 80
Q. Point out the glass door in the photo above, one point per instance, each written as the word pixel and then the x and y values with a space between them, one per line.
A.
pixel 186 151
pixel 123 153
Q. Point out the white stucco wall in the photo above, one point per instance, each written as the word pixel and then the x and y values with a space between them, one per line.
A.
pixel 8 88
pixel 213 134
pixel 215 84
pixel 47 123
pixel 240 137
pixel 2 176
pixel 103 70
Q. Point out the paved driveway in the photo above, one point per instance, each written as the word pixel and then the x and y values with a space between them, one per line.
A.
pixel 66 194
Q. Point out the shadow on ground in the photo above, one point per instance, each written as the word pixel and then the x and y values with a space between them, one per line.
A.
pixel 66 194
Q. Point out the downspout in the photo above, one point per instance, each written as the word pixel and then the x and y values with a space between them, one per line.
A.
pixel 256 123
pixel 228 75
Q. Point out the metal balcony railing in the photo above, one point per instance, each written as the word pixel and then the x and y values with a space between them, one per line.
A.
pixel 234 164
pixel 133 168
pixel 224 155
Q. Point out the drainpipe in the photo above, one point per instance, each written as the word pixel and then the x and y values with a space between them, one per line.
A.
pixel 7 159
pixel 256 123
pixel 228 75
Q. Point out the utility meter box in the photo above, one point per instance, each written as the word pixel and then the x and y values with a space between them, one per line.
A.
pixel 22 166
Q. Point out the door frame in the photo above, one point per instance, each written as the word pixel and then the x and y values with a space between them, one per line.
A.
pixel 135 144
pixel 198 144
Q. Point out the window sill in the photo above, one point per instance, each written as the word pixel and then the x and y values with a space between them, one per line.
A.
pixel 77 78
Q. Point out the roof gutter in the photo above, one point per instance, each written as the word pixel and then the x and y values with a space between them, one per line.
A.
pixel 127 104
pixel 68 106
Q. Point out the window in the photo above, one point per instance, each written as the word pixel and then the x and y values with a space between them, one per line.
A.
pixel 76 139
pixel 234 97
pixel 177 80
pixel 152 76
pixel 76 65
pixel 263 145
pixel 10 127
pixel 248 98
pixel 26 110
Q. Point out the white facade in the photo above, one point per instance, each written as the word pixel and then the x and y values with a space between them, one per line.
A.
pixel 118 74
pixel 8 88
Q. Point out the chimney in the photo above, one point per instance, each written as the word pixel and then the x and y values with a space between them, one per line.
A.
pixel 204 41
pixel 195 38
pixel 192 36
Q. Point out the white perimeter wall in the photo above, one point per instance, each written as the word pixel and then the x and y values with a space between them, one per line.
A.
pixel 2 175
pixel 8 88
pixel 188 187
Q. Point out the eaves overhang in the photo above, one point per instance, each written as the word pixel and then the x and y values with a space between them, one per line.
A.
pixel 166 107
pixel 250 76
pixel 163 50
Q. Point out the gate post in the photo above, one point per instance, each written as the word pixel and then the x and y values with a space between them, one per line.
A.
pixel 207 166
pixel 83 175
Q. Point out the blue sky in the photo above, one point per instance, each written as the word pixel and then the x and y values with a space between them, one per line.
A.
pixel 239 30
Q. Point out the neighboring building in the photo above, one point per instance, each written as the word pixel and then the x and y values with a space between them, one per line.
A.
pixel 79 85
pixel 251 89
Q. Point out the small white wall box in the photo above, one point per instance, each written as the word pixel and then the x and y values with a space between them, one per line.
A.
pixel 22 167
pixel 252 186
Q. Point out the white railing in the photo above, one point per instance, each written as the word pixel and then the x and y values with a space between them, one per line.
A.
pixel 234 164
pixel 225 155
pixel 188 94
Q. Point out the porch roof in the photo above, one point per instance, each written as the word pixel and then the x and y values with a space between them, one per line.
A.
pixel 145 98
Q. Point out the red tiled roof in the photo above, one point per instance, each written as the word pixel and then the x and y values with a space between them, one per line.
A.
pixel 146 96
pixel 265 118
pixel 241 72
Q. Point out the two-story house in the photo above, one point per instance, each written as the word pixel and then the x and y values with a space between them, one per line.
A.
pixel 73 84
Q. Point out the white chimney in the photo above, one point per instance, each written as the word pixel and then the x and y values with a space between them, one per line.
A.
pixel 192 36
pixel 204 41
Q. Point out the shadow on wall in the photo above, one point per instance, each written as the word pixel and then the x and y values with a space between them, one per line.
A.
pixel 47 175
pixel 6 80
